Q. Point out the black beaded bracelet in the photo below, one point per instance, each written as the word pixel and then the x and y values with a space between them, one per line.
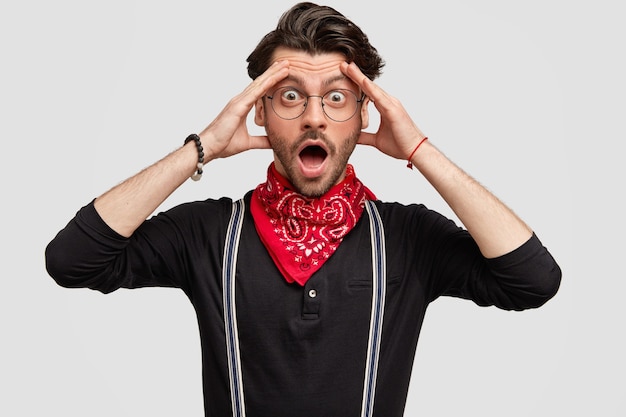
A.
pixel 200 164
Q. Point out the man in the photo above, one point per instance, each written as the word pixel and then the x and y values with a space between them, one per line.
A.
pixel 309 292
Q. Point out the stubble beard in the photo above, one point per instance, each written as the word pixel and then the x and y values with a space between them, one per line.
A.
pixel 338 156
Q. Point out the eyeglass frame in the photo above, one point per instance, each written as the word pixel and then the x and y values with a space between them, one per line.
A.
pixel 306 102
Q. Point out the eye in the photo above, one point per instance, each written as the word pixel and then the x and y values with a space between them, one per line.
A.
pixel 336 98
pixel 290 95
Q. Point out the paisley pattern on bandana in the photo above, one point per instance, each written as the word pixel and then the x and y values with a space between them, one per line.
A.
pixel 299 232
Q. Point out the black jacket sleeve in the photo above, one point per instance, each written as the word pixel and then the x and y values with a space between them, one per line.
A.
pixel 446 261
pixel 82 253
pixel 162 252
pixel 526 277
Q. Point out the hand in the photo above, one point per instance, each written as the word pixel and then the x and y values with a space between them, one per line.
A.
pixel 397 134
pixel 228 134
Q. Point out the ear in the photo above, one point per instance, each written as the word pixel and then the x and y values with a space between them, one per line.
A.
pixel 259 112
pixel 365 113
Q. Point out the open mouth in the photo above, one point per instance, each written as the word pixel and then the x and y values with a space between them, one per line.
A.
pixel 313 156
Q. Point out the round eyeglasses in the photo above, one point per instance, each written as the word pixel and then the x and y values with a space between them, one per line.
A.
pixel 339 105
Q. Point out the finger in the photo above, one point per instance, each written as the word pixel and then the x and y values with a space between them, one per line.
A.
pixel 240 105
pixel 371 89
pixel 275 73
pixel 366 138
pixel 259 142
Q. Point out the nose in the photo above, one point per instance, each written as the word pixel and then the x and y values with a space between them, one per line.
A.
pixel 313 116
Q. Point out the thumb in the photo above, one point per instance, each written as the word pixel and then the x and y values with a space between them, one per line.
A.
pixel 367 138
pixel 259 142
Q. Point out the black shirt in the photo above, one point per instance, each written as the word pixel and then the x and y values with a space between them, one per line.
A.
pixel 303 349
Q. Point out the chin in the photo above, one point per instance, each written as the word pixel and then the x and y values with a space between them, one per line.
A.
pixel 312 188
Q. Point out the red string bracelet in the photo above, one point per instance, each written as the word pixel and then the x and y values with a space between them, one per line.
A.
pixel 410 164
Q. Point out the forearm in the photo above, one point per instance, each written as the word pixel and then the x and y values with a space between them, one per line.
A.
pixel 127 205
pixel 496 229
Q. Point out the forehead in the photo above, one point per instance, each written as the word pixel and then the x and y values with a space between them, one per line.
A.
pixel 311 69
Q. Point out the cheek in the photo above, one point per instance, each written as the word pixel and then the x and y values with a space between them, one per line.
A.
pixel 277 127
pixel 271 128
pixel 353 130
pixel 275 135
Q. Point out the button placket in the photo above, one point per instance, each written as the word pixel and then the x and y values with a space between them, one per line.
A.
pixel 312 298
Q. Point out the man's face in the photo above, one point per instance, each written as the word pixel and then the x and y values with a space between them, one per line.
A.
pixel 312 150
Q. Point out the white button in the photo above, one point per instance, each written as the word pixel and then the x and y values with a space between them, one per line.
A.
pixel 312 293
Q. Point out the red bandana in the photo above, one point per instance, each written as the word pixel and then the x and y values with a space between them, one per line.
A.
pixel 301 233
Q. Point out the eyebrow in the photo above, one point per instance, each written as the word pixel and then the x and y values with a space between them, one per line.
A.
pixel 334 79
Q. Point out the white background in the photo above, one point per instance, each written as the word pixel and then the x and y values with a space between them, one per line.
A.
pixel 528 97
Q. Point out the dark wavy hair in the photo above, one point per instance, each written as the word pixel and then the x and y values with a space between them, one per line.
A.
pixel 316 29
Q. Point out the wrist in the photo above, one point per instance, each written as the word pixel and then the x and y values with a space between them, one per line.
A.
pixel 412 156
pixel 199 155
